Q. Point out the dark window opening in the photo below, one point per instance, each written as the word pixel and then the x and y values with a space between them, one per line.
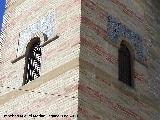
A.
pixel 33 61
pixel 125 65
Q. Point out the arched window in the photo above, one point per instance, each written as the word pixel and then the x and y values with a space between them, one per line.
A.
pixel 125 65
pixel 33 60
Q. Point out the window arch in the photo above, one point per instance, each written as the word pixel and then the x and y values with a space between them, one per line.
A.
pixel 125 65
pixel 32 60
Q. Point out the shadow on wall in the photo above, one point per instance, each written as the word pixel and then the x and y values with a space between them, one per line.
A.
pixel 156 10
pixel 156 3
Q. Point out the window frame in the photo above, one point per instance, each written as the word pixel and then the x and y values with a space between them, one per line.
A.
pixel 130 82
pixel 29 49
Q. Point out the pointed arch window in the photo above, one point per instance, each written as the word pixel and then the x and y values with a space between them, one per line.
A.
pixel 33 60
pixel 125 65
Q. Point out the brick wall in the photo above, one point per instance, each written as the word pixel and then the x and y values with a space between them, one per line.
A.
pixel 56 91
pixel 79 73
pixel 101 95
pixel 152 18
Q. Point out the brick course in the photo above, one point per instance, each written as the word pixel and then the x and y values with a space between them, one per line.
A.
pixel 79 73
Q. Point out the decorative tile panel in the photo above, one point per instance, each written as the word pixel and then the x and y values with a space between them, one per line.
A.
pixel 116 29
pixel 44 25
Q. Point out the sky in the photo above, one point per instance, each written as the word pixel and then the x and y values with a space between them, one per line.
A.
pixel 2 6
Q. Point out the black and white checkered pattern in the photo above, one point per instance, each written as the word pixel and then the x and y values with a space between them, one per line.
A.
pixel 34 64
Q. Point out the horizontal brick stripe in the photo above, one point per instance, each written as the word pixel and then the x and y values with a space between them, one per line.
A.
pixel 107 80
pixel 63 8
pixel 127 11
pixel 40 103
pixel 97 29
pixel 88 113
pixel 67 5
pixel 88 91
pixel 22 16
pixel 64 46
pixel 102 13
pixel 41 80
pixel 69 25
pixel 99 50
pixel 139 77
pixel 93 6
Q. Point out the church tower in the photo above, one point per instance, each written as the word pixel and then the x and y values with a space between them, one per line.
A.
pixel 80 60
